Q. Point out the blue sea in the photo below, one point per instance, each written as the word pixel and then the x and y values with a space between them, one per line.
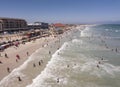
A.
pixel 88 56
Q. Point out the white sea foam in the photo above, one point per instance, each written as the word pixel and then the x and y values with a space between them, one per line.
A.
pixel 107 29
pixel 77 41
pixel 84 33
pixel 105 69
pixel 117 30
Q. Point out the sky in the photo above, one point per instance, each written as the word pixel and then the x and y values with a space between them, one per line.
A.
pixel 62 11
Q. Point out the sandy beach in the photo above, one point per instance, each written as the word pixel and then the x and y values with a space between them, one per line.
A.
pixel 23 71
pixel 22 50
pixel 47 45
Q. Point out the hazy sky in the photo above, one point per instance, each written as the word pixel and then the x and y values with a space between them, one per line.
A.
pixel 65 11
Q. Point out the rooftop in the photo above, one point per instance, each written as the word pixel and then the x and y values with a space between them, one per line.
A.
pixel 59 25
pixel 11 18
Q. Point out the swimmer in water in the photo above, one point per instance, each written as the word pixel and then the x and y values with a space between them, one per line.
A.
pixel 57 80
pixel 99 62
pixel 98 66
pixel 67 65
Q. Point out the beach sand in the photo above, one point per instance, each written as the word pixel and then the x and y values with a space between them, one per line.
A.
pixel 22 50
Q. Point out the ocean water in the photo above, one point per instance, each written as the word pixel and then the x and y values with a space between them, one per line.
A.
pixel 87 57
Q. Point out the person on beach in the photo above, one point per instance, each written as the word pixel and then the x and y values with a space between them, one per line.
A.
pixel 6 56
pixel 42 45
pixel 0 55
pixel 39 63
pixel 0 62
pixel 49 52
pixel 8 69
pixel 27 53
pixel 18 57
pixel 19 79
pixel 34 65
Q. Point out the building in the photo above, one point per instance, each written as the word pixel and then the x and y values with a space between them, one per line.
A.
pixel 38 25
pixel 59 25
pixel 58 28
pixel 12 24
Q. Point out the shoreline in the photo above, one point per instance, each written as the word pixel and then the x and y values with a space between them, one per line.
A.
pixel 21 50
pixel 39 42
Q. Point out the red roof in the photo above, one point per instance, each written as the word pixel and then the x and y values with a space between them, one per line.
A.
pixel 59 25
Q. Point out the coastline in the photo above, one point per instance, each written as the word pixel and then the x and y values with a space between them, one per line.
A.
pixel 38 44
pixel 21 50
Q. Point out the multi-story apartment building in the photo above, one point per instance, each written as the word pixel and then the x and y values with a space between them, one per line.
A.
pixel 12 24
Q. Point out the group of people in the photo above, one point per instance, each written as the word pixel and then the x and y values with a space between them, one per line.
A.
pixel 39 63
pixel 115 49
pixel 17 58
pixel 34 65
pixel 99 62
pixel 6 56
